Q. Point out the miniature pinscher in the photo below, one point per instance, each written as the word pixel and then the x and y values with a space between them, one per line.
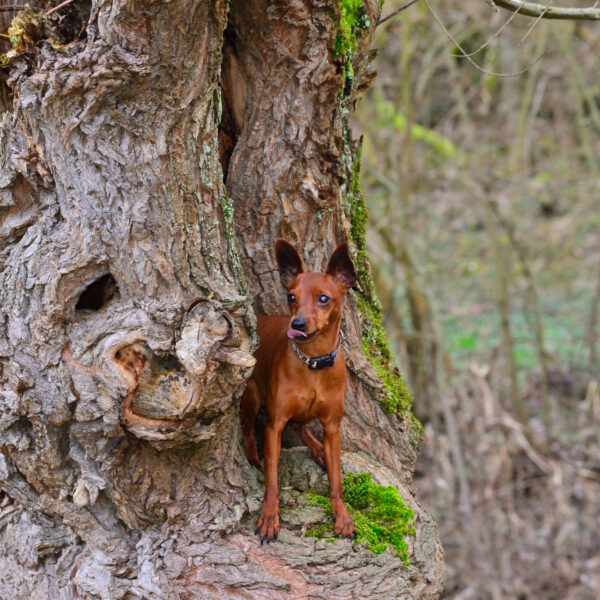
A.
pixel 300 374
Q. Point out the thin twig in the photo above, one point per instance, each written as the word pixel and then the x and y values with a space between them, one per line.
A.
pixel 536 21
pixel 53 10
pixel 512 16
pixel 455 42
pixel 534 456
pixel 531 9
pixel 395 12
pixel 486 43
pixel 10 7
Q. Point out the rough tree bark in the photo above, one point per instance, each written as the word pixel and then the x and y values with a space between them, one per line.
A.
pixel 146 166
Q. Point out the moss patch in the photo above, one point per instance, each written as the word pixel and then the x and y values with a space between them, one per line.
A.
pixel 377 350
pixel 374 339
pixel 353 21
pixel 380 516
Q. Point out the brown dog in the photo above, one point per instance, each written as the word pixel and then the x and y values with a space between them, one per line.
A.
pixel 301 375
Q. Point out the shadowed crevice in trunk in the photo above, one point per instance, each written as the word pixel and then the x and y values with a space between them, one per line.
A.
pixel 98 293
pixel 233 100
pixel 6 96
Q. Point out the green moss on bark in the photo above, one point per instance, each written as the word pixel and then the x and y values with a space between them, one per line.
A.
pixel 374 339
pixel 353 21
pixel 380 516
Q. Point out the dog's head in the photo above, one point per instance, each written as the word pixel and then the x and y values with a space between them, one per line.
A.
pixel 315 299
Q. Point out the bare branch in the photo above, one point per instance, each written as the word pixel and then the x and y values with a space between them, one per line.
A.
pixel 465 55
pixel 512 16
pixel 53 10
pixel 537 20
pixel 395 12
pixel 531 9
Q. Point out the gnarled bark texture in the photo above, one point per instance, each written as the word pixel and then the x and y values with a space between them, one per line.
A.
pixel 145 170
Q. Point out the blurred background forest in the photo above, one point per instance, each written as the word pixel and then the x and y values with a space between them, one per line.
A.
pixel 484 202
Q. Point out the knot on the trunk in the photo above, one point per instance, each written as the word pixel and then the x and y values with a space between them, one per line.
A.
pixel 175 397
pixel 201 341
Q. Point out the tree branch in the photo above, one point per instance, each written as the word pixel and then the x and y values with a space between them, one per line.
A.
pixel 465 55
pixel 53 10
pixel 395 12
pixel 531 9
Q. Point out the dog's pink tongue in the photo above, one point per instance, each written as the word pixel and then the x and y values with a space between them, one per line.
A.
pixel 292 333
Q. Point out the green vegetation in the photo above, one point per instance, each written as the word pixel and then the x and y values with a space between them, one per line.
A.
pixel 374 339
pixel 436 141
pixel 26 29
pixel 509 190
pixel 387 116
pixel 31 26
pixel 380 516
pixel 376 347
pixel 353 21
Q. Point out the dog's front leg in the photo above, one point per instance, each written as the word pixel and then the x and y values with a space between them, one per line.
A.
pixel 267 526
pixel 343 524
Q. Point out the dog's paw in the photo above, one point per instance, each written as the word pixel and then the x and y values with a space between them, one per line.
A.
pixel 319 456
pixel 344 527
pixel 267 526
pixel 317 452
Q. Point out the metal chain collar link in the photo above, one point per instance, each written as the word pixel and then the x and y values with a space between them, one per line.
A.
pixel 319 362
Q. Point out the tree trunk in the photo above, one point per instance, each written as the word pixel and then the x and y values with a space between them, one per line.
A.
pixel 148 162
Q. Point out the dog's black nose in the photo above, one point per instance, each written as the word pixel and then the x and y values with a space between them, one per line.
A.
pixel 299 324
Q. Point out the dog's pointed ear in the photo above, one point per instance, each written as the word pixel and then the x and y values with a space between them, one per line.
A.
pixel 289 262
pixel 340 266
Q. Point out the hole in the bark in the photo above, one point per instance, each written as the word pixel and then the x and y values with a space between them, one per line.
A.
pixel 98 293
pixel 227 138
pixel 5 501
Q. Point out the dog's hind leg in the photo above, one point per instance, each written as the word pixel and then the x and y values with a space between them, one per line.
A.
pixel 250 406
pixel 315 447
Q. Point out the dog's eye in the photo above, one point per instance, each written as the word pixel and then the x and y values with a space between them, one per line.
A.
pixel 323 299
pixel 291 299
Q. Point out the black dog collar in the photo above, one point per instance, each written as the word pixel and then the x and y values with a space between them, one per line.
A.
pixel 319 362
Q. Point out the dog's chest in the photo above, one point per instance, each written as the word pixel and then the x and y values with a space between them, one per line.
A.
pixel 310 405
